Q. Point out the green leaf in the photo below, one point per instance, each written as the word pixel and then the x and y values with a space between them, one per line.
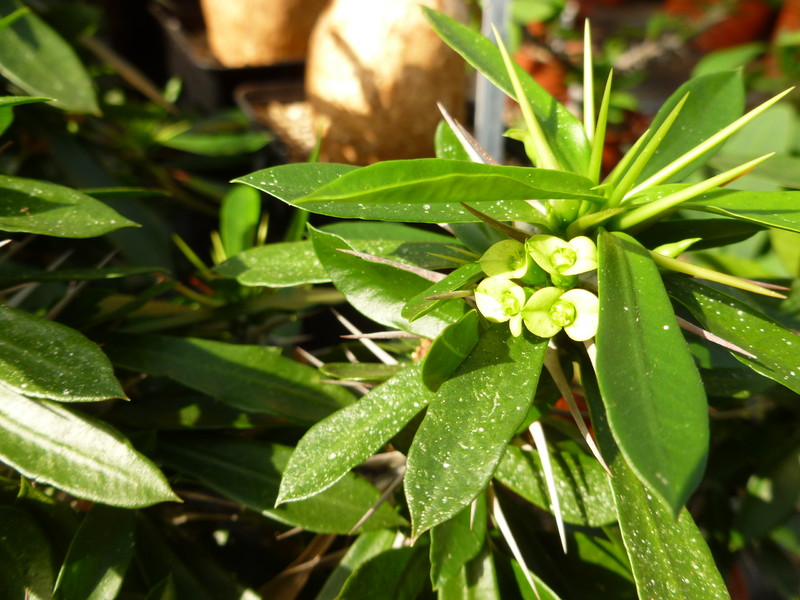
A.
pixel 461 277
pixel 35 58
pixel 583 489
pixel 777 349
pixel 477 580
pixel 249 473
pixel 359 371
pixel 283 264
pixel 49 443
pixel 564 132
pixel 772 209
pixel 450 349
pixel 456 542
pixel 217 143
pixel 99 555
pixel 294 180
pixel 713 232
pixel 380 291
pixel 253 378
pixel 45 359
pixel 25 554
pixel 32 206
pixel 655 399
pixel 668 555
pixel 695 123
pixel 429 191
pixel 238 219
pixel 366 546
pixel 728 58
pixel 350 436
pixel 543 591
pixel 399 574
pixel 447 144
pixel 468 425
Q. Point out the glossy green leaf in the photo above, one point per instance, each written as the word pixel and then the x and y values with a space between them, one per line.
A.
pixel 668 555
pixel 217 143
pixel 360 371
pixel 447 144
pixel 695 123
pixel 44 359
pixel 430 191
pixel 35 58
pixel 49 443
pixel 350 436
pixel 655 399
pixel 11 276
pixel 771 209
pixel 777 349
pixel 32 206
pixel 450 349
pixel 544 591
pixel 460 278
pixel 468 425
pixel 399 574
pixel 294 180
pixel 238 219
pixel 772 496
pixel 365 546
pixel 8 102
pixel 99 555
pixel 730 58
pixel 283 264
pixel 380 291
pixel 564 132
pixel 456 542
pixel 253 378
pixel 25 554
pixel 583 489
pixel 477 580
pixel 249 473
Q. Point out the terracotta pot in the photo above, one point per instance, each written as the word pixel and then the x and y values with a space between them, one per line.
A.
pixel 246 33
pixel 375 72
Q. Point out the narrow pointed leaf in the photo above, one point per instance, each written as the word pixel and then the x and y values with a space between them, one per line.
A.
pixel 431 191
pixel 724 91
pixel 380 291
pixel 564 132
pixel 44 359
pixel 38 60
pixel 99 555
pixel 466 429
pixel 249 472
pixel 361 371
pixel 49 443
pixel 31 206
pixel 668 555
pixel 344 440
pixel 776 349
pixel 13 276
pixel 253 378
pixel 655 400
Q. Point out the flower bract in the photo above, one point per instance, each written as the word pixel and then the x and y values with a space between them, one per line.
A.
pixel 557 256
pixel 549 310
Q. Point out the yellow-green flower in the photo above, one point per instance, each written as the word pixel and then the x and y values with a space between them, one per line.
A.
pixel 501 300
pixel 559 257
pixel 549 310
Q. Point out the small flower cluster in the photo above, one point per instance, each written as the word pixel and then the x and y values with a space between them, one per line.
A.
pixel 533 284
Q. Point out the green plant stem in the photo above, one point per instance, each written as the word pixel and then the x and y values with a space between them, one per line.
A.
pixel 596 159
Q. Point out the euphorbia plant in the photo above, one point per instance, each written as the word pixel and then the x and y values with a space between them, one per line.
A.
pixel 549 266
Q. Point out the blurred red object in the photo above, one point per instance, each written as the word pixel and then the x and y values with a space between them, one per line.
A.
pixel 741 22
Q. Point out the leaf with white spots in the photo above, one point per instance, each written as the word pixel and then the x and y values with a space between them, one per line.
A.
pixel 669 557
pixel 651 388
pixel 776 349
pixel 348 437
pixel 468 426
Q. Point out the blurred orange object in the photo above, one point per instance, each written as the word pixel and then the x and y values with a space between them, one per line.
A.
pixel 740 22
